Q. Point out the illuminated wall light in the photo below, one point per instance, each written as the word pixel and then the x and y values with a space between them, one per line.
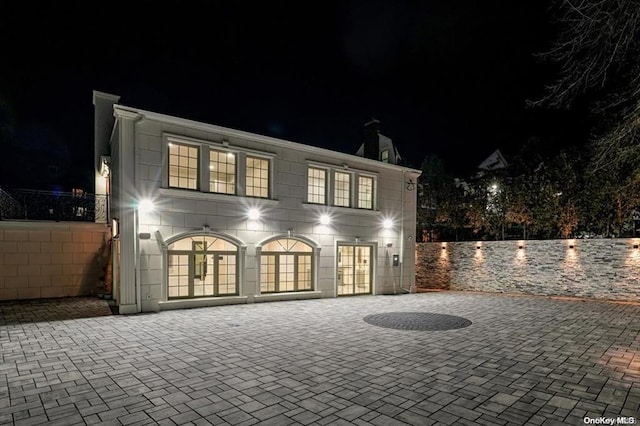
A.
pixel 254 214
pixel 520 247
pixel 570 246
pixel 325 219
pixel 477 247
pixel 387 224
pixel 145 206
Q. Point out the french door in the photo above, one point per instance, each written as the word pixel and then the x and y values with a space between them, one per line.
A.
pixel 355 269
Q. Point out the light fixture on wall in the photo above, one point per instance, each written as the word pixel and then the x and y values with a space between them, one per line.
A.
pixel 145 206
pixel 325 219
pixel 254 214
pixel 410 185
pixel 635 246
pixel 571 246
pixel 387 223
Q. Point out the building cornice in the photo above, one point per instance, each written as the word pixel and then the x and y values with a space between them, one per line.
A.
pixel 125 111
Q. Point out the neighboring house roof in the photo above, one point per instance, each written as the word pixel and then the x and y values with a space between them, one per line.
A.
pixel 494 161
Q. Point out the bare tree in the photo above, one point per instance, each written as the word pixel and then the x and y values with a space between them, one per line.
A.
pixel 597 52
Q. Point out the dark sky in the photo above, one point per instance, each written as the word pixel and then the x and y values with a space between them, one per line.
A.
pixel 446 78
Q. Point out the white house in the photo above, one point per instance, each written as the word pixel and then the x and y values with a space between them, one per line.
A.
pixel 204 215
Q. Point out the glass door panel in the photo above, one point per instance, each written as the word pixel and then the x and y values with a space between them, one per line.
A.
pixel 178 275
pixel 354 269
pixel 226 273
pixel 287 272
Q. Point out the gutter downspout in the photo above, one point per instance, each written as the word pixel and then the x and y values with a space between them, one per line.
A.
pixel 402 230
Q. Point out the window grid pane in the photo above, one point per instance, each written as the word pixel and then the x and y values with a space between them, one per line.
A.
pixel 222 172
pixel 267 274
pixel 257 182
pixel 304 272
pixel 183 166
pixel 227 274
pixel 342 193
pixel 286 273
pixel 365 193
pixel 178 276
pixel 316 186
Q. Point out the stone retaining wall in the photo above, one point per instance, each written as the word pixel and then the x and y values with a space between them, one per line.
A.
pixel 51 259
pixel 598 268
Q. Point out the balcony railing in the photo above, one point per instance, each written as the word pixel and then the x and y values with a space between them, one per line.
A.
pixel 29 204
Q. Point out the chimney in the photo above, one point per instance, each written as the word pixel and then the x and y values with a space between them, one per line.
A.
pixel 372 139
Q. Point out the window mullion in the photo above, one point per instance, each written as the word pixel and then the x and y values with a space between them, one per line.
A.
pixel 295 272
pixel 205 176
pixel 241 173
pixel 277 273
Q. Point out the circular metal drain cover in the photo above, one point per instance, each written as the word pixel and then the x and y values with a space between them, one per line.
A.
pixel 417 321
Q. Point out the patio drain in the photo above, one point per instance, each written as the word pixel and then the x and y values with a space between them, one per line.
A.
pixel 424 321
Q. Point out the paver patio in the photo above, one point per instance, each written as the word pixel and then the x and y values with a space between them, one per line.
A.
pixel 523 360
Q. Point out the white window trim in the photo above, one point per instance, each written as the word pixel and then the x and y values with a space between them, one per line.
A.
pixel 333 187
pixel 327 178
pixel 374 191
pixel 203 164
pixel 165 166
pixel 331 169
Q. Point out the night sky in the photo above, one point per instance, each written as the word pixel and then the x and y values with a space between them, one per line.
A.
pixel 445 78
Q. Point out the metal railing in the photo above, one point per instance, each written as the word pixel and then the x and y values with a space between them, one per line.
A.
pixel 29 204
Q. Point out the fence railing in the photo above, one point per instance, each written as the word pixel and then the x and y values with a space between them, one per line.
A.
pixel 29 204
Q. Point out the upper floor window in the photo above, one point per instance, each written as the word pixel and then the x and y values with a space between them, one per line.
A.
pixel 183 166
pixel 365 192
pixel 316 185
pixel 222 172
pixel 342 189
pixel 384 156
pixel 257 183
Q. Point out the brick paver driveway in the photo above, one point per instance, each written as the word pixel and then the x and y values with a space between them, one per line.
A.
pixel 523 360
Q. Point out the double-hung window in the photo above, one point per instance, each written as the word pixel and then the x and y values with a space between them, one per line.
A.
pixel 316 185
pixel 257 177
pixel 365 192
pixel 183 166
pixel 217 169
pixel 342 189
pixel 222 172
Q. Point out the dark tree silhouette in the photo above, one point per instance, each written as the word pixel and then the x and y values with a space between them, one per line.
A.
pixel 598 58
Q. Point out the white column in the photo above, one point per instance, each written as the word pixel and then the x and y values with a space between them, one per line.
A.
pixel 128 303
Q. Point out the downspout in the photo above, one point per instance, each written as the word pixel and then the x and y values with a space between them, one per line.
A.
pixel 402 230
pixel 138 257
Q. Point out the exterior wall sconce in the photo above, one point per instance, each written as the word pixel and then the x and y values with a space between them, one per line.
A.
pixel 410 185
pixel 145 206
pixel 477 247
pixel 325 219
pixel 254 214
pixel 571 246
pixel 635 246
pixel 387 224
pixel 444 247
pixel 520 247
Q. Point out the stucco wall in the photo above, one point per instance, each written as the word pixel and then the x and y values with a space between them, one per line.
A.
pixel 598 268
pixel 50 259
